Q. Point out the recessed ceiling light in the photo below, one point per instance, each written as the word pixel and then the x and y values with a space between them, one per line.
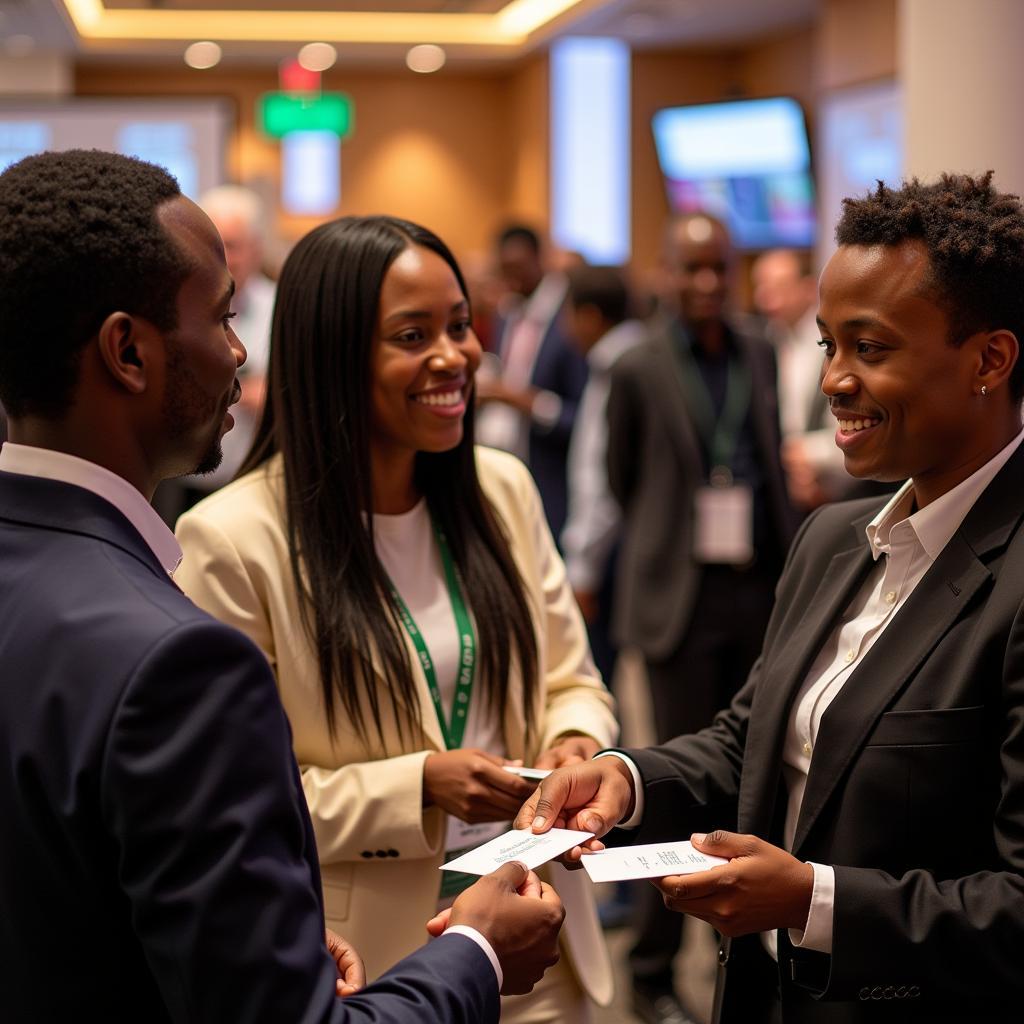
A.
pixel 203 55
pixel 425 58
pixel 318 56
pixel 19 45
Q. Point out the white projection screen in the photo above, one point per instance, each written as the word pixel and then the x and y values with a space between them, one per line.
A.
pixel 188 137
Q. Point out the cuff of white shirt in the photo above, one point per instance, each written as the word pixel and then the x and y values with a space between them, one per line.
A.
pixel 633 821
pixel 472 933
pixel 546 409
pixel 817 933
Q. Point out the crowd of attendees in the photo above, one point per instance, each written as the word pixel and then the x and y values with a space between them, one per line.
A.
pixel 418 565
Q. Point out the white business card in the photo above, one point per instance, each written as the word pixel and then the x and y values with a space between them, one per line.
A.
pixel 518 844
pixel 655 860
pixel 534 774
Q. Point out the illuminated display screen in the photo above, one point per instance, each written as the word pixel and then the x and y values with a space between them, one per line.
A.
pixel 747 162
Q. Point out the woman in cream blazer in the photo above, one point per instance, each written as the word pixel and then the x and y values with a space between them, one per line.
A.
pixel 379 844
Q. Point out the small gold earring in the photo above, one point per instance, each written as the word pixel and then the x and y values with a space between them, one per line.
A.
pixel 984 391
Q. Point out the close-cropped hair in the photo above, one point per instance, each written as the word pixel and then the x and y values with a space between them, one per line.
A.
pixel 974 237
pixel 520 233
pixel 79 240
pixel 318 416
pixel 603 287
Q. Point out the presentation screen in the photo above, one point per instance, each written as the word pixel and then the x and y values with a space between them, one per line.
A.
pixel 187 137
pixel 747 162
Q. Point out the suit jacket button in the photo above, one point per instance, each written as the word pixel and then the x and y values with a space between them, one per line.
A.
pixel 382 853
pixel 901 992
pixel 864 993
pixel 888 992
pixel 392 853
pixel 876 992
pixel 366 853
pixel 913 992
pixel 723 955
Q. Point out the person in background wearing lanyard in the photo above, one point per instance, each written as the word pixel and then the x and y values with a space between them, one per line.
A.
pixel 407 592
pixel 693 459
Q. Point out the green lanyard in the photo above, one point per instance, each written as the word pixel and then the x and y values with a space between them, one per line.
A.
pixel 720 434
pixel 455 730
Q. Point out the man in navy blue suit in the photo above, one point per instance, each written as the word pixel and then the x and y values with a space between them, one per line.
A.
pixel 529 409
pixel 158 861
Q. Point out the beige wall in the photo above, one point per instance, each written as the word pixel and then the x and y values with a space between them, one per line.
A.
pixel 465 152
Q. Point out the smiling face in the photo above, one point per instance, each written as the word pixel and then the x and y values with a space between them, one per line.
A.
pixel 906 399
pixel 424 357
pixel 699 260
pixel 202 352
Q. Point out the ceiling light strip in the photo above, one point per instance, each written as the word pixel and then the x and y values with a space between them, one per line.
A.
pixel 509 27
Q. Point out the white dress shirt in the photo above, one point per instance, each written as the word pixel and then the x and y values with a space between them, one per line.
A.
pixel 904 545
pixel 499 425
pixel 69 469
pixel 594 515
pixel 799 358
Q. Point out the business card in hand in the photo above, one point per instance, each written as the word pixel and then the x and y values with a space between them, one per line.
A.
pixel 533 774
pixel 655 860
pixel 519 844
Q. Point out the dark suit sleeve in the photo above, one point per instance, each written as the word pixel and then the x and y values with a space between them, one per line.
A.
pixel 215 853
pixel 570 378
pixel 691 783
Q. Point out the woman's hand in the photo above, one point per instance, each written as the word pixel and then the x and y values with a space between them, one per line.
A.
pixel 351 973
pixel 568 750
pixel 473 786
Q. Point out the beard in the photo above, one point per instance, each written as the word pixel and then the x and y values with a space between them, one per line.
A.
pixel 185 407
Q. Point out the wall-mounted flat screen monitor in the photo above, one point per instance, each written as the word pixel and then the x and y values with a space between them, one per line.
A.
pixel 747 162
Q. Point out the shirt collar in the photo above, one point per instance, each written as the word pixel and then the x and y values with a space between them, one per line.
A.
pixel 69 469
pixel 935 524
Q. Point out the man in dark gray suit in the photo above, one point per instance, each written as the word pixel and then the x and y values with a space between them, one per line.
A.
pixel 693 459
pixel 158 861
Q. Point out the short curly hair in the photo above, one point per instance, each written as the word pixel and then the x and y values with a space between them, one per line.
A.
pixel 974 236
pixel 79 239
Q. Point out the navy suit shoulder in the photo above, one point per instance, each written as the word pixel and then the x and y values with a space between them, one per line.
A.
pixel 158 861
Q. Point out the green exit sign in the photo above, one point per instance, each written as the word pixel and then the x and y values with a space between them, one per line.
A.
pixel 279 113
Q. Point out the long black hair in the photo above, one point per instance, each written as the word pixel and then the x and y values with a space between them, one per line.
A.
pixel 317 415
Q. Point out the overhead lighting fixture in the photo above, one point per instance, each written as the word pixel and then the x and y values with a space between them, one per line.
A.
pixel 425 58
pixel 318 56
pixel 511 26
pixel 203 55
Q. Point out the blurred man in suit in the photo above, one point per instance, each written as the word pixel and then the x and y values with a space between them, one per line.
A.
pixel 693 459
pixel 531 395
pixel 158 861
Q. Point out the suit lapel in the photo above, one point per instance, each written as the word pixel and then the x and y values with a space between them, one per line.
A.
pixel 667 387
pixel 930 611
pixel 946 590
pixel 772 706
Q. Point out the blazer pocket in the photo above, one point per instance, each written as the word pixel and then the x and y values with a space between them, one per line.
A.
pixel 929 728
pixel 336 880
